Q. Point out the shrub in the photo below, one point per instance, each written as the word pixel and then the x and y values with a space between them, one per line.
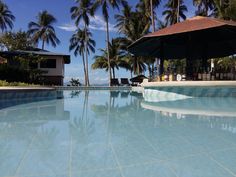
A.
pixel 5 83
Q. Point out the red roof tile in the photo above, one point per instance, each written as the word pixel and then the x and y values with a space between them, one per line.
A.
pixel 192 24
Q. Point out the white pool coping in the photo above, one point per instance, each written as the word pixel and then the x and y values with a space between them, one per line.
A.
pixel 189 83
pixel 25 88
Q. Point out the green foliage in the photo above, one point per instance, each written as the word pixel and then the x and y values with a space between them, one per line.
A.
pixel 4 83
pixel 15 41
pixel 17 74
pixel 225 9
pixel 82 11
pixel 75 82
pixel 43 29
pixel 226 63
pixel 6 17
pixel 174 12
pixel 204 7
pixel 101 61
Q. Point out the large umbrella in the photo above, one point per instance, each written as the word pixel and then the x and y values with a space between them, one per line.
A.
pixel 138 79
pixel 195 38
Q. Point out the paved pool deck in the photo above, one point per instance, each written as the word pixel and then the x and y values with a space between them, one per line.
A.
pixel 189 84
pixel 64 88
pixel 25 88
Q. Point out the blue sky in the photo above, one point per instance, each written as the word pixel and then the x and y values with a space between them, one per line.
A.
pixel 27 10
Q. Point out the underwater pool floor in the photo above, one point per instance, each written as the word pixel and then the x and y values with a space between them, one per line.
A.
pixel 110 134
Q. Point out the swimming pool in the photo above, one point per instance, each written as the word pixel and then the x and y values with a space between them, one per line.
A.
pixel 118 134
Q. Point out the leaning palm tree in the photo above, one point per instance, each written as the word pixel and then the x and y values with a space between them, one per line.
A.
pixel 43 30
pixel 105 6
pixel 174 12
pixel 204 6
pixel 82 13
pixel 6 17
pixel 81 42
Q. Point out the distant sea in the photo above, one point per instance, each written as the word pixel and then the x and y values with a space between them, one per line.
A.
pixel 101 85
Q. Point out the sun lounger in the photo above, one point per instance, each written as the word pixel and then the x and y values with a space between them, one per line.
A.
pixel 115 82
pixel 124 81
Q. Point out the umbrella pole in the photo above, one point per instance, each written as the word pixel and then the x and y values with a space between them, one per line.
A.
pixel 161 62
pixel 204 58
pixel 189 66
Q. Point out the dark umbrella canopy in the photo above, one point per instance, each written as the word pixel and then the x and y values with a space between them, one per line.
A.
pixel 195 38
pixel 138 79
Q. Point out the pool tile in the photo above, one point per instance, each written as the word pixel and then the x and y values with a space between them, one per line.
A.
pixel 197 166
pixel 92 156
pixel 98 173
pixel 148 170
pixel 210 143
pixel 226 158
pixel 136 152
pixel 44 162
pixel 51 138
pixel 9 161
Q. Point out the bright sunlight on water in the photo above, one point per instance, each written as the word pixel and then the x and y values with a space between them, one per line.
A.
pixel 118 134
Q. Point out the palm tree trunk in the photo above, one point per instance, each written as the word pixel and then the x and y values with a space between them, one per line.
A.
pixel 43 43
pixel 85 73
pixel 152 13
pixel 206 10
pixel 153 24
pixel 108 53
pixel 177 20
pixel 149 70
pixel 113 70
pixel 86 53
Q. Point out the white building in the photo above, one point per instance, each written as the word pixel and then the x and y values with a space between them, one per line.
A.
pixel 52 63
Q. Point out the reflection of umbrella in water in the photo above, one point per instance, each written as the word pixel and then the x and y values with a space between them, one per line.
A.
pixel 138 79
pixel 195 38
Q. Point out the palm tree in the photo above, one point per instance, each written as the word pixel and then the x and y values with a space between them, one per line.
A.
pixel 225 9
pixel 204 6
pixel 105 6
pixel 82 42
pixel 82 12
pixel 101 61
pixel 174 12
pixel 148 7
pixel 6 17
pixel 132 24
pixel 43 29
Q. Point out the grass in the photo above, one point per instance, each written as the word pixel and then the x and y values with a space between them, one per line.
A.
pixel 6 84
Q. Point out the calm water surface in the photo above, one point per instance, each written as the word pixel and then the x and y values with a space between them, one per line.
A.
pixel 118 134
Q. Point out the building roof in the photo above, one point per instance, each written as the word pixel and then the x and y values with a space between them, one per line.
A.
pixel 195 38
pixel 192 24
pixel 35 51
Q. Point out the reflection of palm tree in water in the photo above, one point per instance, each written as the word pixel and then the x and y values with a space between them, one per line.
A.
pixel 82 127
pixel 46 138
pixel 113 112
pixel 75 94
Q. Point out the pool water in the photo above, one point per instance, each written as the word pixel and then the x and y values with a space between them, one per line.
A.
pixel 118 134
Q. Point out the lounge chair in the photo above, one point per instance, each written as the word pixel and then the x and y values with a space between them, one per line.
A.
pixel 124 81
pixel 115 82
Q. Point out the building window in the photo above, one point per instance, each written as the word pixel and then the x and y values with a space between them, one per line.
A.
pixel 49 63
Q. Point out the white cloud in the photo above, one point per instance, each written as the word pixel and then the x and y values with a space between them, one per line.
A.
pixel 97 23
pixel 67 27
